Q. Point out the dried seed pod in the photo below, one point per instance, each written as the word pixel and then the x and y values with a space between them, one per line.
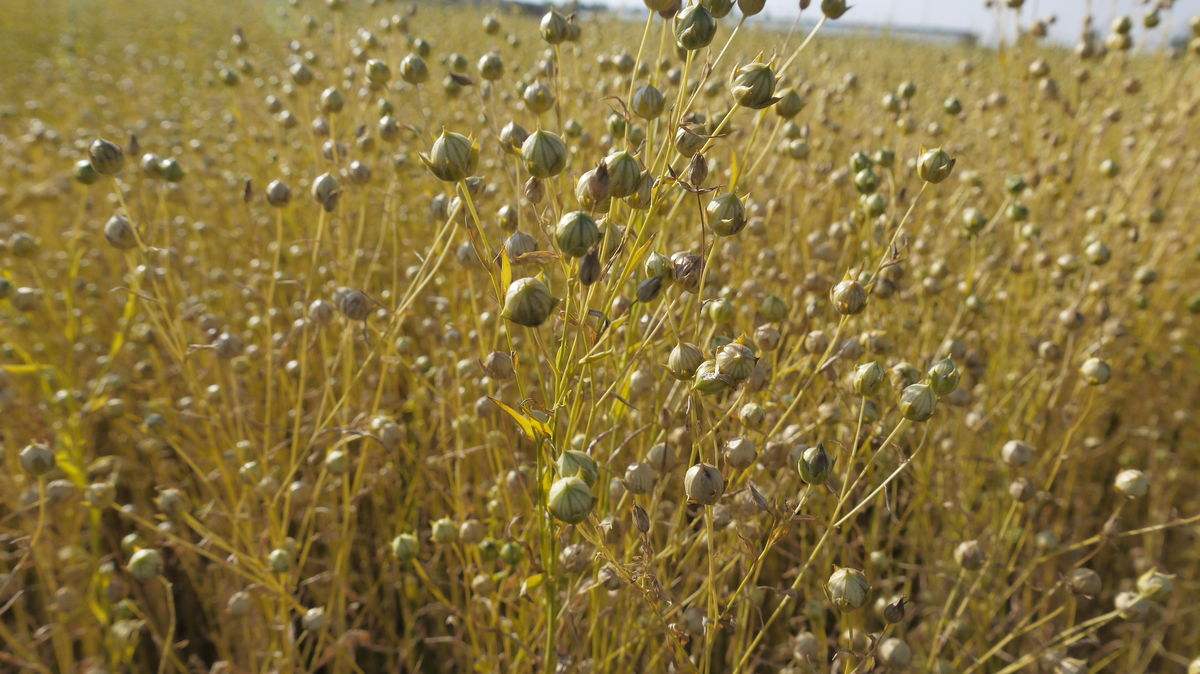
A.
pixel 1095 371
pixel 624 174
pixel 590 268
pixel 684 360
pixel 834 9
pixel 848 297
pixel 325 191
pixel 1084 582
pixel 703 484
pixel 37 459
pixel 648 102
pixel 354 304
pixel 405 547
pixel 554 28
pixel 917 402
pixel 944 377
pixel 867 378
pixel 894 653
pixel 709 381
pixel 686 269
pixel 413 69
pixel 848 589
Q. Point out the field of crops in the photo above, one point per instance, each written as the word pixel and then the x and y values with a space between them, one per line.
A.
pixel 352 336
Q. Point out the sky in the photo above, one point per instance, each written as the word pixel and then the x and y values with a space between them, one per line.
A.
pixel 972 15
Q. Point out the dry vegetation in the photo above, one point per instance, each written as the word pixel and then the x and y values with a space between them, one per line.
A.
pixel 391 337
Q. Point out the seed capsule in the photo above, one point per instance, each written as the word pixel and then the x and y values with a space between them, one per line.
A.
pixel 648 102
pixel 325 191
pixel 1084 582
pixel 1132 483
pixel 278 194
pixel 944 377
pixel 107 158
pixel 867 378
pixel 726 214
pixel 405 547
pixel 969 555
pixel 848 589
pixel 935 166
pixel 452 158
pixel 695 27
pixel 834 9
pixel 37 459
pixel 544 154
pixel 917 402
pixel 684 360
pixel 708 381
pixel 574 462
pixel 145 564
pixel 1016 453
pixel 576 233
pixel 118 231
pixel 528 302
pixel 1095 371
pixel 703 484
pixel 413 69
pixel 570 499
pixel 848 297
pixel 554 28
pixel 754 86
pixel 894 653
pixel 813 465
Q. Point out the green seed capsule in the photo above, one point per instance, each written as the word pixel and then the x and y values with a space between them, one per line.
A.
pixel 570 499
pixel 576 233
pixel 917 402
pixel 867 378
pixel 944 377
pixel 754 86
pixel 574 462
pixel 528 302
pixel 813 465
pixel 452 158
pixel 935 166
pixel 648 102
pixel 544 154
pixel 726 214
pixel 694 27
pixel 624 174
